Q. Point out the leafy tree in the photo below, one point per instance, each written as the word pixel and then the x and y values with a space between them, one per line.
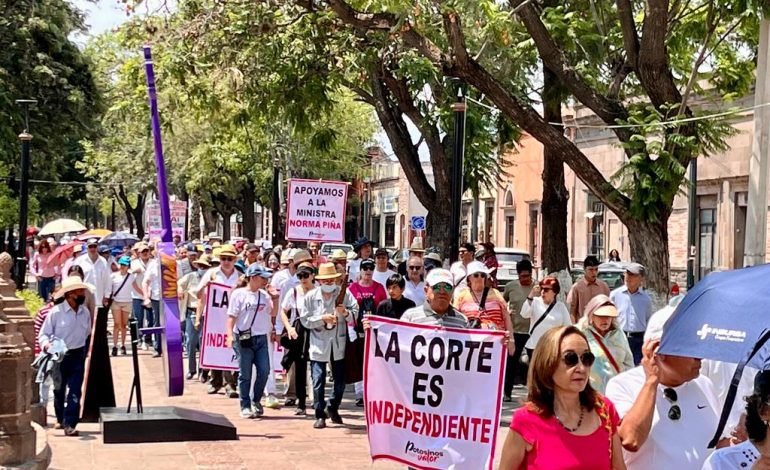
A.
pixel 636 63
pixel 38 61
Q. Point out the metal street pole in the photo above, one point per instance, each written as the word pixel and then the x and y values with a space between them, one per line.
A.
pixel 112 216
pixel 458 153
pixel 759 166
pixel 26 138
pixel 276 203
pixel 692 222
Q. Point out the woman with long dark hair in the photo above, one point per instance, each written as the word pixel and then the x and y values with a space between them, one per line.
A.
pixel 754 453
pixel 565 424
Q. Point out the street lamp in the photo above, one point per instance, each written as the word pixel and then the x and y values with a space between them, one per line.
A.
pixel 276 202
pixel 456 182
pixel 26 138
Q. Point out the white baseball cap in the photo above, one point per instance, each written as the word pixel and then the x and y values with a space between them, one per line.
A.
pixel 438 276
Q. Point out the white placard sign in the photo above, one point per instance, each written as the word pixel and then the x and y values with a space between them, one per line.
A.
pixel 215 354
pixel 316 210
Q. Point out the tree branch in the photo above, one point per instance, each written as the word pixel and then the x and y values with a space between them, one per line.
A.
pixel 608 111
pixel 653 68
pixel 630 36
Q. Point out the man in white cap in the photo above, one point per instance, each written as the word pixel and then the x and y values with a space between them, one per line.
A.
pixel 97 272
pixel 634 308
pixel 69 322
pixel 669 411
pixel 437 309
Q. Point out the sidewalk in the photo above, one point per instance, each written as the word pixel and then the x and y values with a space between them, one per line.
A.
pixel 279 441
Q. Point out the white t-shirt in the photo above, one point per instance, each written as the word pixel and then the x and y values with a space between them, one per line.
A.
pixel 124 295
pixel 721 374
pixel 294 304
pixel 138 267
pixel 558 316
pixel 671 445
pixel 244 304
pixel 152 278
pixel 216 275
pixel 739 456
pixel 459 274
pixel 382 278
pixel 415 293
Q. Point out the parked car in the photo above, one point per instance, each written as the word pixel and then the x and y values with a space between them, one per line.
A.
pixel 327 248
pixel 506 261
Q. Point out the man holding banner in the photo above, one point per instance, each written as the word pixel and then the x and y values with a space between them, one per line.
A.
pixel 227 275
pixel 419 373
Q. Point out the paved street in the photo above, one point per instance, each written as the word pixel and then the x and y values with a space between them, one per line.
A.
pixel 277 442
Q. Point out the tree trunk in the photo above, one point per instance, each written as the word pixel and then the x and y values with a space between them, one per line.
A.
pixel 226 216
pixel 138 213
pixel 437 228
pixel 554 251
pixel 209 216
pixel 649 246
pixel 195 217
pixel 247 212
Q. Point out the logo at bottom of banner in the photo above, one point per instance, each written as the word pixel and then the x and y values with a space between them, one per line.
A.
pixel 433 395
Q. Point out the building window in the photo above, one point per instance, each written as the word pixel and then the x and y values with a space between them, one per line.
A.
pixel 488 219
pixel 510 227
pixel 595 226
pixel 465 222
pixel 707 228
pixel 390 230
pixel 375 235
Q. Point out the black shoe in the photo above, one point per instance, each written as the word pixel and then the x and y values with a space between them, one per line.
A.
pixel 507 398
pixel 290 402
pixel 320 423
pixel 300 412
pixel 204 377
pixel 189 376
pixel 335 416
pixel 114 351
pixel 123 350
pixel 360 403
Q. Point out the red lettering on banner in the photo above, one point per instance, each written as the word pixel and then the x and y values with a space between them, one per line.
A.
pixel 217 340
pixel 474 429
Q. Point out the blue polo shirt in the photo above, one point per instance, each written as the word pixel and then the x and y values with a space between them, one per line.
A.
pixel 633 309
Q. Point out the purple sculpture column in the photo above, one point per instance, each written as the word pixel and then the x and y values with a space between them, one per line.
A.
pixel 170 333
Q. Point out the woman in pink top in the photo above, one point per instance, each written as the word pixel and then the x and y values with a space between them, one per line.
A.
pixel 565 424
pixel 44 270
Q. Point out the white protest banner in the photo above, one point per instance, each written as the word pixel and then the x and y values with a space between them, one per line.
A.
pixel 178 218
pixel 434 399
pixel 214 351
pixel 316 210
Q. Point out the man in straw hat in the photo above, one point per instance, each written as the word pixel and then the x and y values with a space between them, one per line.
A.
pixel 326 321
pixel 70 323
pixel 415 249
pixel 188 304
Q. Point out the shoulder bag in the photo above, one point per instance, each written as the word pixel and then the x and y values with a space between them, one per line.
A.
pixel 245 339
pixel 606 352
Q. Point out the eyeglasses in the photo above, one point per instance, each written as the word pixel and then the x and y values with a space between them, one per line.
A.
pixel 442 286
pixel 545 289
pixel 479 275
pixel 303 275
pixel 226 258
pixel 367 268
pixel 674 413
pixel 571 359
pixel 415 268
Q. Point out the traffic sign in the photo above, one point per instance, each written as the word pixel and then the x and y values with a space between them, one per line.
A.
pixel 418 222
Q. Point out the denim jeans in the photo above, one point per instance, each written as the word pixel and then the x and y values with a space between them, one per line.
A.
pixel 318 370
pixel 154 320
pixel 257 355
pixel 45 286
pixel 193 340
pixel 514 366
pixel 635 343
pixel 72 369
pixel 140 312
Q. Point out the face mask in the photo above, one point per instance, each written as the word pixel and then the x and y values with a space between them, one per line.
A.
pixel 80 300
pixel 328 288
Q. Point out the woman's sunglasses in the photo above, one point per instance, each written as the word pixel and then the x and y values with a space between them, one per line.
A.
pixel 303 275
pixel 367 268
pixel 571 358
pixel 674 413
pixel 479 275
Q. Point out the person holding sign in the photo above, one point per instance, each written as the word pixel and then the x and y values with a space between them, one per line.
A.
pixel 327 323
pixel 565 423
pixel 250 321
pixel 437 309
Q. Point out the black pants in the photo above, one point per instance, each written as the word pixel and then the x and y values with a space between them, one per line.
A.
pixel 230 378
pixel 514 366
pixel 66 399
pixel 300 382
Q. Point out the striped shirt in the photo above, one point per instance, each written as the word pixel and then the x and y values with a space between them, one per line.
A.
pixel 425 315
pixel 39 319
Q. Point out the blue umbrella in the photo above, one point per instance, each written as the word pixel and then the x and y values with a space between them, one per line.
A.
pixel 722 317
pixel 119 239
pixel 725 317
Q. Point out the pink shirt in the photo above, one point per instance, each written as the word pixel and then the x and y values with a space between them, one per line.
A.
pixel 555 448
pixel 41 265
pixel 375 291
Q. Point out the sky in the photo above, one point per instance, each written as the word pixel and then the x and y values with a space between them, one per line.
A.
pixel 104 15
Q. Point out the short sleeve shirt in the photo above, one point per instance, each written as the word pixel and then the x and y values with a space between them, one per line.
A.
pixel 495 309
pixel 294 302
pixel 555 448
pixel 425 315
pixel 251 309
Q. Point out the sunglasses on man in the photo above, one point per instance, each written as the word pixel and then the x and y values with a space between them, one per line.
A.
pixel 438 288
pixel 226 258
pixel 675 412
